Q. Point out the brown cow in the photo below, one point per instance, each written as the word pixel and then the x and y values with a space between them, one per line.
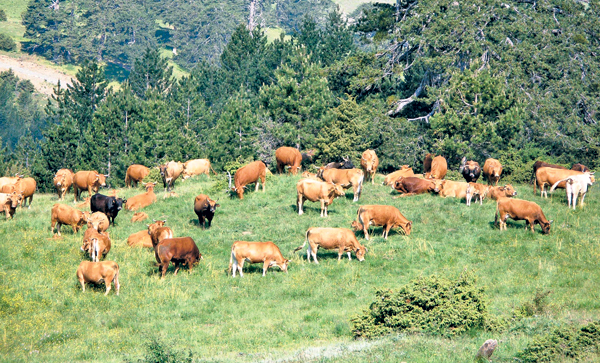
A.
pixel 248 174
pixel 141 238
pixel 135 174
pixel 519 209
pixel 439 168
pixel 427 163
pixel 205 208
pixel 9 180
pixel 96 244
pixel 196 167
pixel 142 200
pixel 478 191
pixel 346 178
pixel 315 190
pixel 139 216
pixel 412 186
pixel 506 191
pixel 380 215
pixel 158 232
pixel 63 214
pixel 369 162
pixel 541 164
pixel 88 180
pixel 180 251
pixel 25 186
pixel 63 180
pixel 98 221
pixel 405 171
pixel 97 272
pixel 255 252
pixel 547 175
pixel 580 167
pixel 170 172
pixel 341 239
pixel 454 189
pixel 10 202
pixel 492 170
pixel 288 157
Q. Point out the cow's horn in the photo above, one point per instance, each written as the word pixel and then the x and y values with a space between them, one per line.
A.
pixel 106 175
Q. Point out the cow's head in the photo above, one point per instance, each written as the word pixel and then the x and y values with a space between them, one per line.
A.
pixel 398 183
pixel 156 225
pixel 149 187
pixel 213 205
pixel 438 185
pixel 282 265
pixel 163 170
pixel 546 226
pixel 407 228
pixel 508 190
pixel 336 190
pixel 83 218
pixel 15 199
pixel 100 180
pixel 356 226
pixel 360 252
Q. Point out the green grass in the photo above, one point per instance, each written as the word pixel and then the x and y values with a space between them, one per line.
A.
pixel 298 316
pixel 14 8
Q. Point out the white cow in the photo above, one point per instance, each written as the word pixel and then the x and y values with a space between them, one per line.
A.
pixel 576 185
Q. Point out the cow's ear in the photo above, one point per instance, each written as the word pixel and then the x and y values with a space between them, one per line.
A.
pixel 164 221
pixel 217 205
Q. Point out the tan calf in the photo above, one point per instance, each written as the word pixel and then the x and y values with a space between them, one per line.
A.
pixel 317 191
pixel 250 173
pixel 140 239
pixel 256 252
pixel 142 200
pixel 10 202
pixel 369 162
pixel 478 191
pixel 139 216
pixel 341 239
pixel 506 191
pixel 381 215
pixel 98 272
pixel 405 171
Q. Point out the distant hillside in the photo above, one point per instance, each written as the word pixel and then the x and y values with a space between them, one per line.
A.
pixel 348 6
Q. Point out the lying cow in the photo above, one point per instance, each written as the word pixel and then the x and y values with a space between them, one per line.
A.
pixel 141 239
pixel 470 170
pixel 196 167
pixel 107 205
pixel 98 272
pixel 478 191
pixel 405 171
pixel 506 191
pixel 205 208
pixel 288 157
pixel 380 215
pixel 142 200
pixel 492 170
pixel 448 188
pixel 135 174
pixel 346 178
pixel 63 180
pixel 250 173
pixel 63 214
pixel 549 176
pixel 179 251
pixel 317 191
pixel 518 209
pixel 88 180
pixel 309 175
pixel 413 186
pixel 139 216
pixel 369 163
pixel 341 239
pixel 576 185
pixel 256 252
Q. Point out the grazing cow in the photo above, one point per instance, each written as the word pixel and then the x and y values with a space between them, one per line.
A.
pixel 369 163
pixel 98 221
pixel 196 167
pixel 547 175
pixel 470 170
pixel 439 168
pixel 309 175
pixel 205 208
pixel 519 209
pixel 142 200
pixel 25 186
pixel 141 238
pixel 405 171
pixel 248 174
pixel 97 272
pixel 180 251
pixel 412 186
pixel 540 164
pixel 346 178
pixel 63 180
pixel 492 170
pixel 580 167
pixel 107 205
pixel 506 191
pixel 63 214
pixel 316 190
pixel 96 244
pixel 139 216
pixel 380 215
pixel 135 174
pixel 341 239
pixel 255 252
pixel 10 202
pixel 576 185
pixel 169 173
pixel 288 157
pixel 478 191
pixel 448 188
pixel 9 180
pixel 88 180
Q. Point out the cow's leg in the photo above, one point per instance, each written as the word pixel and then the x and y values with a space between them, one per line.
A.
pixel 279 167
pixel 209 219
pixel 366 231
pixel 82 282
pixel 201 221
pixel 308 253
pixel 349 257
pixel 176 264
pixel 262 180
pixel 300 200
pixel 163 268
pixel 75 193
pixel 265 267
pixel 107 282
pixel 256 186
pixel 323 210
pixel 572 197
pixel 240 265
pixel 580 203
pixel 234 266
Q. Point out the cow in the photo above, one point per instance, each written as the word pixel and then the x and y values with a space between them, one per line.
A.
pixel 439 168
pixel 98 221
pixel 107 205
pixel 196 167
pixel 448 188
pixel 427 163
pixel 341 239
pixel 250 173
pixel 478 191
pixel 547 175
pixel 88 180
pixel 256 252
pixel 541 164
pixel 576 185
pixel 346 178
pixel 97 272
pixel 135 174
pixel 470 170
pixel 141 238
pixel 205 208
pixel 316 190
pixel 180 251
pixel 506 191
pixel 139 216
pixel 369 163
pixel 25 186
pixel 492 170
pixel 519 209
pixel 346 163
pixel 288 157
pixel 580 167
pixel 63 180
pixel 63 214
pixel 9 180
pixel 10 202
pixel 309 175
pixel 380 215
pixel 412 186
pixel 96 244
pixel 307 157
pixel 405 171
pixel 158 232
pixel 142 200
pixel 169 173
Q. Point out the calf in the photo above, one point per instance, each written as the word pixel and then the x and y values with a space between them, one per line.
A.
pixel 255 252
pixel 288 157
pixel 97 272
pixel 413 186
pixel 576 185
pixel 346 178
pixel 439 168
pixel 135 174
pixel 141 238
pixel 142 200
pixel 381 215
pixel 314 190
pixel 478 191
pixel 492 170
pixel 448 188
pixel 98 221
pixel 10 202
pixel 97 245
pixel 205 208
pixel 63 214
pixel 405 171
pixel 470 170
pixel 139 216
pixel 341 239
pixel 369 163
pixel 180 250
pixel 107 205
pixel 248 174
pixel 63 180
pixel 506 191
pixel 518 209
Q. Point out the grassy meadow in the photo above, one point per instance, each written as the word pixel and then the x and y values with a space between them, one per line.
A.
pixel 303 315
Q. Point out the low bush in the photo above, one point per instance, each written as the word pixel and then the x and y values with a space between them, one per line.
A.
pixel 6 43
pixel 3 16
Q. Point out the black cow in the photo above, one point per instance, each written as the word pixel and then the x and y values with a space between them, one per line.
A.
pixel 107 205
pixel 470 170
pixel 346 163
pixel 205 209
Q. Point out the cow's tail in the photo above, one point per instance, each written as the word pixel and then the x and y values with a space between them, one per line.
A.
pixel 304 244
pixel 360 183
pixel 556 184
pixel 534 184
pixel 496 216
pixel 231 256
pixel 116 279
pixel 127 180
pixel 213 170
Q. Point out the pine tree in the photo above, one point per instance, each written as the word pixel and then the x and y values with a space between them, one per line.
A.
pixel 150 72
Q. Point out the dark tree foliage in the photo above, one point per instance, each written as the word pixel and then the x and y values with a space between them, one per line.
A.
pixel 150 72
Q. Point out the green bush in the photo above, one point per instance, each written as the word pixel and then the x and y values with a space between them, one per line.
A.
pixel 428 304
pixel 158 351
pixel 6 43
pixel 3 15
pixel 153 176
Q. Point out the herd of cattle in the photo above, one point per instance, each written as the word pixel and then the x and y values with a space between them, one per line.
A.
pixel 328 183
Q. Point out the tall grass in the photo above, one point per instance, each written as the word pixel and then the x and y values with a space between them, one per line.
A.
pixel 44 316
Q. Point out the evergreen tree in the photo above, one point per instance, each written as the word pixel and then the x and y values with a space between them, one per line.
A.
pixel 150 72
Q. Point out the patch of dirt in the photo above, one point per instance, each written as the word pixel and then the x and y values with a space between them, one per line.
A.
pixel 43 78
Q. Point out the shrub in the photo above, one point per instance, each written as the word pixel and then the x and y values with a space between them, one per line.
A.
pixel 428 304
pixel 538 305
pixel 158 351
pixel 153 177
pixel 6 43
pixel 3 15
